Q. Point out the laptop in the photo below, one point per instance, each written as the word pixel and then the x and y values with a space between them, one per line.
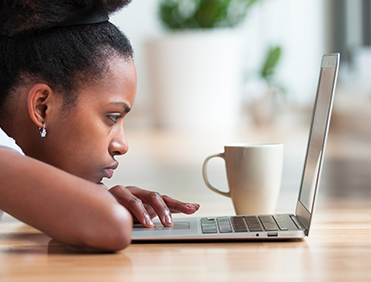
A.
pixel 267 226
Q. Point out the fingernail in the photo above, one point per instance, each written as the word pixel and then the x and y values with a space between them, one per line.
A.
pixel 148 221
pixel 168 219
pixel 192 206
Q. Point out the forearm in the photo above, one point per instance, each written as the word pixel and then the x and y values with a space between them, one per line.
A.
pixel 71 210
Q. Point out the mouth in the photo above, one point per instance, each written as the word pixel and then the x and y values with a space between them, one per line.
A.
pixel 108 171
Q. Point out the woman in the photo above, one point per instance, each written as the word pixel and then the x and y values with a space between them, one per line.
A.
pixel 67 81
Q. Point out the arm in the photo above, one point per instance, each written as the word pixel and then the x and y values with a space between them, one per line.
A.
pixel 145 205
pixel 73 211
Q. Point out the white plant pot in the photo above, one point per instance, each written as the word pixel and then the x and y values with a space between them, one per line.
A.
pixel 196 80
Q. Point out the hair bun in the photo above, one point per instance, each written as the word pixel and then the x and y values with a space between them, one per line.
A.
pixel 21 16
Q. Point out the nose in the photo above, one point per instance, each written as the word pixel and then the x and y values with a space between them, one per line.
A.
pixel 119 145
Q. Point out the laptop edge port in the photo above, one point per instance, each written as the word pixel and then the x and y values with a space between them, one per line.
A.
pixel 272 234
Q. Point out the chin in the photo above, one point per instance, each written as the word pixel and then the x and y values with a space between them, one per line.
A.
pixel 95 179
pixel 99 181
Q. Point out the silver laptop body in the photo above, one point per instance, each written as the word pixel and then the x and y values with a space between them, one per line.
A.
pixel 266 227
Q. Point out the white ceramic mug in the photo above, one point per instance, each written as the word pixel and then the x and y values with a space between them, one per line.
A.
pixel 254 173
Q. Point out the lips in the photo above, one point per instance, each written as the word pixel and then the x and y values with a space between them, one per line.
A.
pixel 108 171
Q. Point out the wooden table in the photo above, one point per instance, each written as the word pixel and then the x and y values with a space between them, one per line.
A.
pixel 338 248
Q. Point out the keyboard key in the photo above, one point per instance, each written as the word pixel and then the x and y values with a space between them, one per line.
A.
pixel 281 224
pixel 253 223
pixel 239 224
pixel 208 225
pixel 268 223
pixel 224 225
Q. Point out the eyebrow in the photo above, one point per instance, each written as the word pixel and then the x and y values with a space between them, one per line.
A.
pixel 123 104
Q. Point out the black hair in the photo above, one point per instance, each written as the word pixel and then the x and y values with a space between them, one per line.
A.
pixel 34 47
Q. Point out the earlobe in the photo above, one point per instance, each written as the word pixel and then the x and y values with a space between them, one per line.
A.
pixel 42 131
pixel 38 98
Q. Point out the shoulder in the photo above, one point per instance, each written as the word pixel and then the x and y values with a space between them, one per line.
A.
pixel 8 142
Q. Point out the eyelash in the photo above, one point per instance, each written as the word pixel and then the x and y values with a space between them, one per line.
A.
pixel 114 118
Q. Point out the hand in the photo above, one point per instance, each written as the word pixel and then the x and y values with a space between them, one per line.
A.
pixel 145 205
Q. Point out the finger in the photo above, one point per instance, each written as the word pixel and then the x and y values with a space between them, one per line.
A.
pixel 152 213
pixel 156 202
pixel 133 204
pixel 176 206
pixel 154 199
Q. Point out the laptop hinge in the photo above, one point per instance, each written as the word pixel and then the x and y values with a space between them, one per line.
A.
pixel 298 223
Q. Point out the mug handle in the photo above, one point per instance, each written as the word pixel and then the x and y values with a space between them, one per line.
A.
pixel 204 175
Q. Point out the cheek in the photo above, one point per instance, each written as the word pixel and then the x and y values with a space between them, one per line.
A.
pixel 88 139
pixel 79 147
pixel 82 128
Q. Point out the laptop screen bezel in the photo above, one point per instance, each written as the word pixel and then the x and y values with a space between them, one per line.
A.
pixel 302 213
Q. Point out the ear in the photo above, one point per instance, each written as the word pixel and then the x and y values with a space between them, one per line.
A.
pixel 39 96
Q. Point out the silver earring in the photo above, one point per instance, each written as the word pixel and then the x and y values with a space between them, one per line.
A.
pixel 42 131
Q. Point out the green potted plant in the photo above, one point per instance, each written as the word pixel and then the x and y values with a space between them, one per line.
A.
pixel 265 89
pixel 268 69
pixel 203 14
pixel 195 67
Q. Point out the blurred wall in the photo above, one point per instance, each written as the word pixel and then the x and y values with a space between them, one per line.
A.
pixel 299 26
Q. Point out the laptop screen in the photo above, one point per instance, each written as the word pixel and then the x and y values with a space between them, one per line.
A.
pixel 317 138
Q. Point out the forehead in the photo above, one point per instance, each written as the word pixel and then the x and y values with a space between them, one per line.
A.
pixel 118 85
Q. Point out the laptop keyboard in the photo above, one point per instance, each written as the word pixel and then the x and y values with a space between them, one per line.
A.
pixel 243 224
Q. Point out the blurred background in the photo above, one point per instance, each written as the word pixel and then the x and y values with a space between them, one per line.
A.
pixel 209 75
pixel 209 78
pixel 247 71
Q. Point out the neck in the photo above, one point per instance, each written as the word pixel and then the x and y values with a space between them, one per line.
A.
pixel 17 124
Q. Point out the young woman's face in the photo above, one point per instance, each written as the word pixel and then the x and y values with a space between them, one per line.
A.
pixel 85 140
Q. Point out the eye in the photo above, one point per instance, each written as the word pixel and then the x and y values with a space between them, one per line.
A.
pixel 114 118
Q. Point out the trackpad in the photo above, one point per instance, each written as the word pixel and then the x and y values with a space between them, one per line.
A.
pixel 159 226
